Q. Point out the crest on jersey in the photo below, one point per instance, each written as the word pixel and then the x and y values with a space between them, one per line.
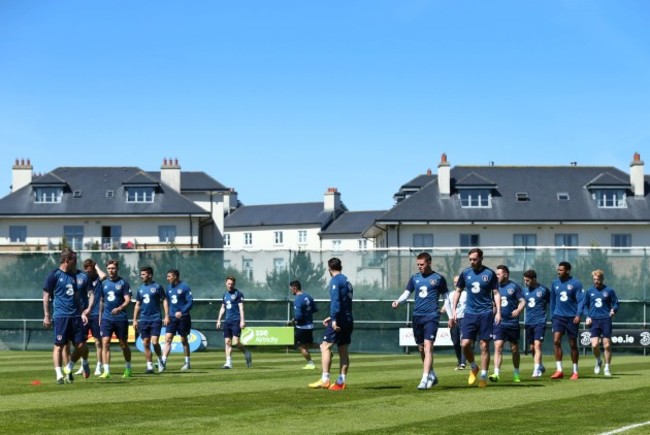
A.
pixel 118 287
pixel 511 291
pixel 233 296
pixel 179 291
pixel 153 290
pixel 605 294
pixel 569 287
pixel 485 278
pixel 433 282
pixel 80 281
pixel 538 293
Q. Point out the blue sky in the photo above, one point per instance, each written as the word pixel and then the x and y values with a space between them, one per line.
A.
pixel 283 99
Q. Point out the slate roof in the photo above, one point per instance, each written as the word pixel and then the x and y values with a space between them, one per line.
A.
pixel 413 186
pixel 352 222
pixel 305 214
pixel 541 184
pixel 195 181
pixel 93 183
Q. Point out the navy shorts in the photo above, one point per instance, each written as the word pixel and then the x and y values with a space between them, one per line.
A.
pixel 341 337
pixel 119 327
pixel 303 336
pixel 565 325
pixel 535 333
pixel 180 326
pixel 231 329
pixel 68 329
pixel 601 328
pixel 478 326
pixel 93 327
pixel 149 328
pixel 506 333
pixel 425 328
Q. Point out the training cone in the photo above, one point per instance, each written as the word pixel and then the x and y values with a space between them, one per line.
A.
pixel 36 382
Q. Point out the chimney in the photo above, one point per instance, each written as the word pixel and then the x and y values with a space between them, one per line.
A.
pixel 230 201
pixel 170 174
pixel 637 177
pixel 444 177
pixel 332 200
pixel 21 175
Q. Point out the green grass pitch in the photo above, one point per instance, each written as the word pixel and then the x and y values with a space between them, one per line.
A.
pixel 273 397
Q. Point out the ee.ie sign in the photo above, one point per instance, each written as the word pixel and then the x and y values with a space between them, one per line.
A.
pixel 267 336
pixel 622 337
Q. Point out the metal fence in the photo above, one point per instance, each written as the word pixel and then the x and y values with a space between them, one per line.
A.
pixel 378 277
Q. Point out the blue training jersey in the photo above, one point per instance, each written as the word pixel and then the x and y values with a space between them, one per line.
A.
pixel 114 294
pixel 150 296
pixel 428 290
pixel 82 284
pixel 341 299
pixel 95 286
pixel 65 293
pixel 304 308
pixel 537 300
pixel 180 298
pixel 480 286
pixel 565 297
pixel 510 294
pixel 231 301
pixel 597 303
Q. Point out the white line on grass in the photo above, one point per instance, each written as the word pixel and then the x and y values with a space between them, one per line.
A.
pixel 626 428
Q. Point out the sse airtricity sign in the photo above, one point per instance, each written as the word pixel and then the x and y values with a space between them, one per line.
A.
pixel 267 336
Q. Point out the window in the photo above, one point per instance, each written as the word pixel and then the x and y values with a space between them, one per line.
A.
pixel 522 196
pixel 167 233
pixel 110 193
pixel 18 234
pixel 524 240
pixel 48 195
pixel 336 245
pixel 111 237
pixel 139 194
pixel 621 241
pixel 248 239
pixel 226 239
pixel 247 267
pixel 570 255
pixel 523 257
pixel 279 265
pixel 422 240
pixel 475 198
pixel 469 240
pixel 76 194
pixel 278 237
pixel 610 198
pixel 74 235
pixel 566 240
pixel 302 237
pixel 563 196
pixel 362 244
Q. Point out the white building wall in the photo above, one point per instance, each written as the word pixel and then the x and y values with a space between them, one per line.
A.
pixel 265 239
pixel 45 232
pixel 502 235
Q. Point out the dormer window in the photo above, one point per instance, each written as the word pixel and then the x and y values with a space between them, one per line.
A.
pixel 609 198
pixel 475 198
pixel 563 196
pixel 522 196
pixel 139 194
pixel 48 195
